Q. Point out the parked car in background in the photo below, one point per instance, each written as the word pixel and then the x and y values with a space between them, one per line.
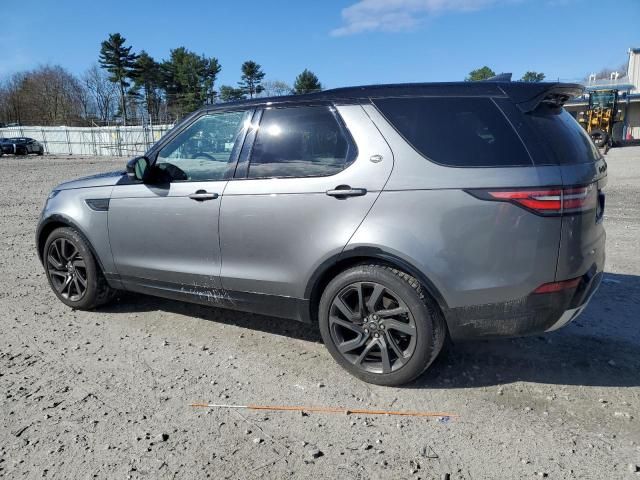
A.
pixel 389 216
pixel 20 146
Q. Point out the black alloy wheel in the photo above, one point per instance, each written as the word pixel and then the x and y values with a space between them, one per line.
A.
pixel 380 325
pixel 73 272
pixel 372 327
pixel 67 269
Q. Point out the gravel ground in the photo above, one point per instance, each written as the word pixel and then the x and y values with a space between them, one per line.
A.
pixel 105 394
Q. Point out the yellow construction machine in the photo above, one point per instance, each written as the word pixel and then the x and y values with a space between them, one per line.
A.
pixel 602 119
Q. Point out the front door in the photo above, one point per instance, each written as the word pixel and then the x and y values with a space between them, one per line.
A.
pixel 306 183
pixel 164 233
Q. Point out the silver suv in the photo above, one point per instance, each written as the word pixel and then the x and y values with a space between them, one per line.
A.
pixel 391 216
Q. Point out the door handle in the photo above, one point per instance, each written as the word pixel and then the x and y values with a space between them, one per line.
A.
pixel 344 191
pixel 202 195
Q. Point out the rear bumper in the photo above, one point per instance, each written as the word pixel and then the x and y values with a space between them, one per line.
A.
pixel 533 314
pixel 569 315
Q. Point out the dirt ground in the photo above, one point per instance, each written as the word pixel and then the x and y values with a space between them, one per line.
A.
pixel 105 394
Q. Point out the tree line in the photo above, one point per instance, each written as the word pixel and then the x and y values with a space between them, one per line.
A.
pixel 126 87
pixel 484 73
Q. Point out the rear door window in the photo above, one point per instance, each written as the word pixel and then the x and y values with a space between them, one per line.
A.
pixel 299 142
pixel 457 132
pixel 561 134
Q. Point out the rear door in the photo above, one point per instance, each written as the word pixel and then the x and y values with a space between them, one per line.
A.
pixel 301 189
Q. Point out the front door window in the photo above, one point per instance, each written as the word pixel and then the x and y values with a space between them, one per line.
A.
pixel 203 151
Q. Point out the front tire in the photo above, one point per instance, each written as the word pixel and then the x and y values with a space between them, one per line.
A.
pixel 72 271
pixel 380 325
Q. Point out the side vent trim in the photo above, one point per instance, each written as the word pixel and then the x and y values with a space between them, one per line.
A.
pixel 98 204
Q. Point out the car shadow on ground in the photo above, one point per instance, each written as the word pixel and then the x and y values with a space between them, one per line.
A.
pixel 600 348
pixel 132 303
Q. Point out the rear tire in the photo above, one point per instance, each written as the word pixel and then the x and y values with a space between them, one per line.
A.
pixel 617 134
pixel 599 137
pixel 72 271
pixel 380 325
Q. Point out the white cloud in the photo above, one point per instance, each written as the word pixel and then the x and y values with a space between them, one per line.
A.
pixel 398 15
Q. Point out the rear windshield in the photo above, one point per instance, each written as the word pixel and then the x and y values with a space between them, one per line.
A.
pixel 560 133
pixel 457 132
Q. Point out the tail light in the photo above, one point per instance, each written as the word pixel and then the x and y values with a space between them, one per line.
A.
pixel 545 201
pixel 558 286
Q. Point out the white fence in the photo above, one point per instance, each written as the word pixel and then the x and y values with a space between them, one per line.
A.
pixel 109 141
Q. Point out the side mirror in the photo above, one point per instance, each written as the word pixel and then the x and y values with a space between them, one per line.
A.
pixel 137 168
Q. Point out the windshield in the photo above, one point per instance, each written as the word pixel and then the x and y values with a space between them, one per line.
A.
pixel 602 99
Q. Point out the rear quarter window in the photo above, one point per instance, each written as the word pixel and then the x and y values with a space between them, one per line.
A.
pixel 457 132
pixel 563 137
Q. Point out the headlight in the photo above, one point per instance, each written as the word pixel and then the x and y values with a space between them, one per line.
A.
pixel 53 194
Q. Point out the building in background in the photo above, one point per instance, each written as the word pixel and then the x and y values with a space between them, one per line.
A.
pixel 628 86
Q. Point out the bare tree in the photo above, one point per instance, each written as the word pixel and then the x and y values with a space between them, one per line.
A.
pixel 605 73
pixel 104 93
pixel 48 95
pixel 13 103
pixel 276 88
pixel 3 102
pixel 53 96
pixel 85 100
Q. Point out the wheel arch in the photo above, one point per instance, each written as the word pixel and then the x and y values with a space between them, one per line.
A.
pixel 338 263
pixel 61 221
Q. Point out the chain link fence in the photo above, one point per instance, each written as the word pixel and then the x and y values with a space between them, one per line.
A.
pixel 116 141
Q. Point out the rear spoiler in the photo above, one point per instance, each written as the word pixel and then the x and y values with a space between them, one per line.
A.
pixel 528 96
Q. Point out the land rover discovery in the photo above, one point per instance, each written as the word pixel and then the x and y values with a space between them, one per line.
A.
pixel 391 216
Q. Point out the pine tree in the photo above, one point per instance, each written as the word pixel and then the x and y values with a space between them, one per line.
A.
pixel 147 77
pixel 531 76
pixel 307 82
pixel 210 70
pixel 189 80
pixel 480 74
pixel 230 94
pixel 252 76
pixel 118 60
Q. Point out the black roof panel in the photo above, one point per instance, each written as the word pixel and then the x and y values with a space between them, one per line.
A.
pixel 517 91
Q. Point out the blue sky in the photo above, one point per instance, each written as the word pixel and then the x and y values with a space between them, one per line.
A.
pixel 344 42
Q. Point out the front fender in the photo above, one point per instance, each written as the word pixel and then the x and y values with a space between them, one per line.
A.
pixel 69 208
